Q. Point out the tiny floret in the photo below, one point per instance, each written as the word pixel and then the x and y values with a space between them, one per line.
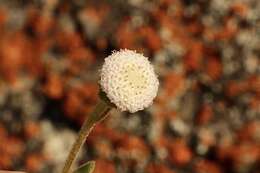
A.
pixel 129 80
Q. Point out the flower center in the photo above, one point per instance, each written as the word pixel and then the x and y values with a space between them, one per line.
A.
pixel 136 78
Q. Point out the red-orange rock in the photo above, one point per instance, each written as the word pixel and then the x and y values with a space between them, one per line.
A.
pixel 214 68
pixel 173 83
pixel 205 166
pixel 54 86
pixel 33 163
pixel 205 114
pixel 179 153
pixel 31 129
pixel 193 58
pixel 158 168
pixel 104 166
pixel 239 8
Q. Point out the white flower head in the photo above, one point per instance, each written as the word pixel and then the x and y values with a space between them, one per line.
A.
pixel 129 80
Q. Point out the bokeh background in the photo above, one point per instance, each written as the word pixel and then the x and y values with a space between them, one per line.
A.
pixel 206 118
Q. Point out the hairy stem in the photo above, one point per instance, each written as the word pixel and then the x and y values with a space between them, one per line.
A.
pixel 99 113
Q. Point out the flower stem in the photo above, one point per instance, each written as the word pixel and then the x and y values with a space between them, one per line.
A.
pixel 99 113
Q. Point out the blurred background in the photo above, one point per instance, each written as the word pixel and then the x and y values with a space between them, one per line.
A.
pixel 206 118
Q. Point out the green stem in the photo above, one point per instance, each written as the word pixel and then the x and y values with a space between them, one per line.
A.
pixel 99 113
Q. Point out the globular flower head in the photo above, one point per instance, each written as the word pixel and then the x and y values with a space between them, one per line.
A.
pixel 129 80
